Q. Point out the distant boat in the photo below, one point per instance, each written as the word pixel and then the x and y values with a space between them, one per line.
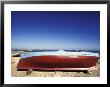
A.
pixel 16 54
pixel 59 60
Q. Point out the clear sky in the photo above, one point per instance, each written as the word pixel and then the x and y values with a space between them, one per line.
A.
pixel 55 30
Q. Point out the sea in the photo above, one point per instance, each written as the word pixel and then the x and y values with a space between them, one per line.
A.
pixel 58 52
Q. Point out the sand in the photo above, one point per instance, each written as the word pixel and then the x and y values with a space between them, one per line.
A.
pixel 93 72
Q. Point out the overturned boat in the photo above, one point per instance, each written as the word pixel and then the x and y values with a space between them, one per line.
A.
pixel 59 60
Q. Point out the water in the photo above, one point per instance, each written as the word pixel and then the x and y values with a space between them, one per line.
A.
pixel 60 52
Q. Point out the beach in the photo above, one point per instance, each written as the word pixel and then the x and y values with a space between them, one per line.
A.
pixel 93 71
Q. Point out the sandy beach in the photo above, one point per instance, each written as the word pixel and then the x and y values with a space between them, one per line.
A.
pixel 93 72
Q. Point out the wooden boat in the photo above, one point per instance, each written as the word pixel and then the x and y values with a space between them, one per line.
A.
pixel 56 62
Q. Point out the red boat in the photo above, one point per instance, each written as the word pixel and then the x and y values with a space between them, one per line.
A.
pixel 55 62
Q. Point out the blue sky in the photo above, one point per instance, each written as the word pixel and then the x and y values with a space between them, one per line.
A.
pixel 55 30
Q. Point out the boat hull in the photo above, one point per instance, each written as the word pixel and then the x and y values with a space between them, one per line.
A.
pixel 57 62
